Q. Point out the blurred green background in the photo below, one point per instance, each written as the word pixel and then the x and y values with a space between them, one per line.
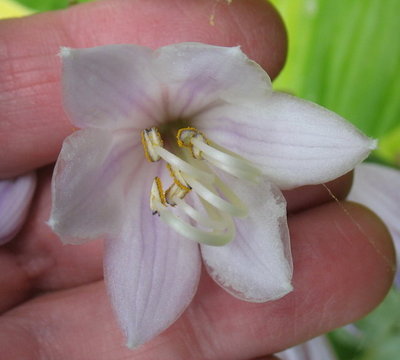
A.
pixel 344 55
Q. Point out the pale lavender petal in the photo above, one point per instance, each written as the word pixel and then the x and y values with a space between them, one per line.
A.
pixel 93 174
pixel 378 187
pixel 315 349
pixel 256 266
pixel 293 141
pixel 151 272
pixel 197 76
pixel 110 87
pixel 15 198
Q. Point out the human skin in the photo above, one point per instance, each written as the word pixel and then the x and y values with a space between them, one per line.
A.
pixel 52 297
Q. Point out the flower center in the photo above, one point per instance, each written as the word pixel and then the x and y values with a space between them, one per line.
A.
pixel 208 216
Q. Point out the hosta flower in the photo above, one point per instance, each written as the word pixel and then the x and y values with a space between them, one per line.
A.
pixel 182 151
pixel 377 187
pixel 15 198
pixel 314 349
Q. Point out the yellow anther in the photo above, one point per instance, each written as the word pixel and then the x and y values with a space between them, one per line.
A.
pixel 184 138
pixel 179 180
pixel 150 139
pixel 157 196
pixel 175 192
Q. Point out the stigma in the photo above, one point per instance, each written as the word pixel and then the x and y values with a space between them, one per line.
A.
pixel 197 203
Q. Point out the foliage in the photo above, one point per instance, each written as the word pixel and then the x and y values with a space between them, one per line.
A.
pixel 345 55
pixel 375 337
pixel 45 5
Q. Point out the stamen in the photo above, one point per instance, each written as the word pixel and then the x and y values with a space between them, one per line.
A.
pixel 186 135
pixel 150 139
pixel 202 148
pixel 183 166
pixel 179 189
pixel 232 164
pixel 235 207
pixel 179 180
pixel 214 237
pixel 174 193
pixel 213 225
pixel 157 196
pixel 202 219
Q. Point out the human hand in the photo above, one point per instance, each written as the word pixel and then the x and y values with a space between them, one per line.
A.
pixel 75 320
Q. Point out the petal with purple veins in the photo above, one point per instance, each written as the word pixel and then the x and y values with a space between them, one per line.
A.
pixel 111 87
pixel 151 272
pixel 256 266
pixel 293 141
pixel 94 172
pixel 15 199
pixel 198 76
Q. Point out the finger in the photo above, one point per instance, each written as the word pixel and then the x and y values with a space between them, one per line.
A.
pixel 310 196
pixel 37 260
pixel 32 118
pixel 344 265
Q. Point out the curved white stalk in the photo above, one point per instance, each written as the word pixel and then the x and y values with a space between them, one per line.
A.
pixel 238 173
pixel 183 165
pixel 214 237
pixel 200 218
pixel 233 207
pixel 231 163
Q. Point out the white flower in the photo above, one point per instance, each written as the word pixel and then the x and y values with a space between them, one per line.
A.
pixel 378 187
pixel 15 198
pixel 130 102
pixel 318 348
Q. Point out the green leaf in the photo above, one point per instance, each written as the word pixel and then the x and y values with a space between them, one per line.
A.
pixel 382 330
pixel 389 147
pixel 345 55
pixel 376 337
pixel 46 5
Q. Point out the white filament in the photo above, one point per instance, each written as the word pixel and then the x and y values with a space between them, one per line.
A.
pixel 237 172
pixel 213 226
pixel 214 237
pixel 235 207
pixel 200 218
pixel 230 163
pixel 183 165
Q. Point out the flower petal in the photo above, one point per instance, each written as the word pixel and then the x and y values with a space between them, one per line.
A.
pixel 377 187
pixel 256 266
pixel 94 171
pixel 198 76
pixel 15 199
pixel 110 87
pixel 314 349
pixel 294 142
pixel 151 272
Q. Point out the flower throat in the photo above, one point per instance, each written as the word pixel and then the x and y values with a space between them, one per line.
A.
pixel 208 217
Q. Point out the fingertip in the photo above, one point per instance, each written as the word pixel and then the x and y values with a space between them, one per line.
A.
pixel 255 25
pixel 378 241
pixel 31 113
pixel 349 247
pixel 310 196
pixel 263 32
